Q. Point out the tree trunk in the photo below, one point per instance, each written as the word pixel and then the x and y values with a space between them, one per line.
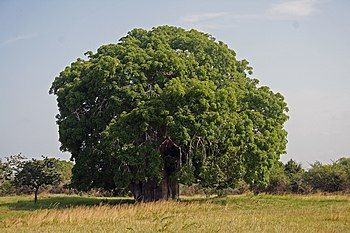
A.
pixel 36 195
pixel 168 188
pixel 152 191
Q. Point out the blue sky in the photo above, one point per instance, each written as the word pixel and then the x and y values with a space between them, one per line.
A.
pixel 300 48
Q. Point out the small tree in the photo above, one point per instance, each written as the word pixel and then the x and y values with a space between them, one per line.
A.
pixel 295 173
pixel 8 169
pixel 292 167
pixel 37 173
pixel 11 166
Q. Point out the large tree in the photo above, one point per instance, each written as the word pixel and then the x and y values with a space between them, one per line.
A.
pixel 164 106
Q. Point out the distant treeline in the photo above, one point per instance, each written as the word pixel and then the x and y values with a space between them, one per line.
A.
pixel 292 178
pixel 287 177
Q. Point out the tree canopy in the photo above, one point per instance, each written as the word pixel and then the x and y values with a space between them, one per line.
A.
pixel 167 102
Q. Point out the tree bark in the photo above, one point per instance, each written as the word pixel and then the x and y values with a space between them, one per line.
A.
pixel 36 195
pixel 152 191
pixel 168 188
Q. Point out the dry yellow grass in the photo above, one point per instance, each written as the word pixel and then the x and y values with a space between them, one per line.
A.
pixel 231 214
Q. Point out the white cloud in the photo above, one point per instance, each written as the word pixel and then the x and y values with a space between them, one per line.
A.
pixel 216 20
pixel 196 18
pixel 19 38
pixel 284 10
pixel 292 9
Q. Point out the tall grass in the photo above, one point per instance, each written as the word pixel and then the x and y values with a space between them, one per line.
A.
pixel 246 213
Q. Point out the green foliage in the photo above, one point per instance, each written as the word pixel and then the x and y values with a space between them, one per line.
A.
pixel 6 187
pixel 330 177
pixel 63 168
pixel 117 107
pixel 2 171
pixel 279 182
pixel 292 168
pixel 14 164
pixel 291 177
pixel 37 173
pixel 344 165
pixel 11 166
pixel 295 173
pixel 8 169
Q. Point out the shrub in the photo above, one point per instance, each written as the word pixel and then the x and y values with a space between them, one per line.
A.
pixel 6 188
pixel 327 178
pixel 343 164
pixel 279 182
pixel 295 174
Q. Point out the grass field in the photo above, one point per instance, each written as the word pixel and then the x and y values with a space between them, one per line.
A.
pixel 244 213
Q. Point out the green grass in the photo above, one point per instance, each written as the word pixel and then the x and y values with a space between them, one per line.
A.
pixel 243 213
pixel 17 206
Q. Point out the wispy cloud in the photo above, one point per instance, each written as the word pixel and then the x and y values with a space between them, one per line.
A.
pixel 19 38
pixel 208 20
pixel 284 10
pixel 292 9
pixel 196 18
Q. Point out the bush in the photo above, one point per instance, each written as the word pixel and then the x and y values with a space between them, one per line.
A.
pixel 327 178
pixel 279 182
pixel 343 164
pixel 295 174
pixel 6 188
